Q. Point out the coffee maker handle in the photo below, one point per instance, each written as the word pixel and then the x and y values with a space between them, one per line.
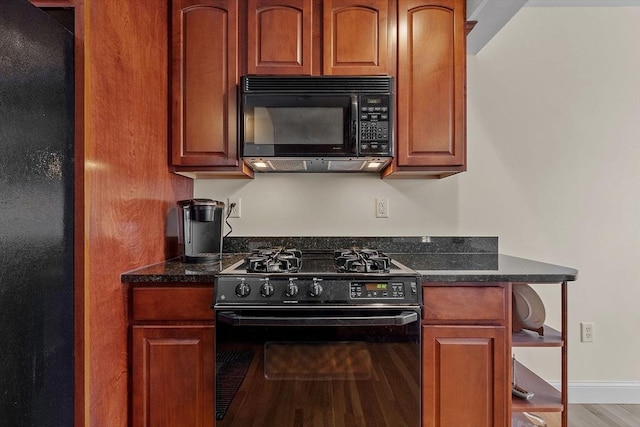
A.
pixel 187 215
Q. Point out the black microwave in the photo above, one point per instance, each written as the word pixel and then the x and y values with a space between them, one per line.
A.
pixel 316 123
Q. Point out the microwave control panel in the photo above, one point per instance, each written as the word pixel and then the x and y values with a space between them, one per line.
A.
pixel 375 131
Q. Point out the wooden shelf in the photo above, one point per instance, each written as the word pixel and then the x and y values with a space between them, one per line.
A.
pixel 525 338
pixel 553 403
pixel 546 398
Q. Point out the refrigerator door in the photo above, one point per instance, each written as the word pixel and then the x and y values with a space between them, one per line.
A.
pixel 36 218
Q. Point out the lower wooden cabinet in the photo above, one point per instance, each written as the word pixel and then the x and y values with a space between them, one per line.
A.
pixel 464 376
pixel 465 355
pixel 172 356
pixel 173 371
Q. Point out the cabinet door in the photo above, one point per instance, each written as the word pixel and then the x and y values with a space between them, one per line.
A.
pixel 204 68
pixel 431 83
pixel 279 36
pixel 465 376
pixel 356 39
pixel 173 376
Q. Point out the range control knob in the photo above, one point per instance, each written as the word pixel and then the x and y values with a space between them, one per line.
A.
pixel 291 290
pixel 316 289
pixel 267 289
pixel 243 290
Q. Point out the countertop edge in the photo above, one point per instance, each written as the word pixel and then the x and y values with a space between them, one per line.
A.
pixel 510 269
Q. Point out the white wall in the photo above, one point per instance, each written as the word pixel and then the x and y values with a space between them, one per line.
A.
pixel 554 171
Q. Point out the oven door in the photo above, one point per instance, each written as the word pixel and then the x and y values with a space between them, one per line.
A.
pixel 318 367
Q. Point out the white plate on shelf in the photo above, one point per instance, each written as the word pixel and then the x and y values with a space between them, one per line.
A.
pixel 528 306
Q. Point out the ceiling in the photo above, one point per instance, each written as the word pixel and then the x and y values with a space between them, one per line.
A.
pixel 492 15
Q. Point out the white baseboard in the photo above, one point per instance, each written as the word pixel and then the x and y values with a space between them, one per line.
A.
pixel 619 392
pixel 582 3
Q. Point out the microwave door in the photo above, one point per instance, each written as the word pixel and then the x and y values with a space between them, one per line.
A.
pixel 297 126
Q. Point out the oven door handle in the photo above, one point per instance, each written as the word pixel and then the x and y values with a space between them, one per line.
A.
pixel 403 318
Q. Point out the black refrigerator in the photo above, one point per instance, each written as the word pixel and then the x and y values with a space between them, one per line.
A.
pixel 36 218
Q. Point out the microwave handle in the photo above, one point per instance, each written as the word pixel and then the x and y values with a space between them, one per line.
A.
pixel 353 128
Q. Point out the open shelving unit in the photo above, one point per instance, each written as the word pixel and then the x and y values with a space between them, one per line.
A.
pixel 547 398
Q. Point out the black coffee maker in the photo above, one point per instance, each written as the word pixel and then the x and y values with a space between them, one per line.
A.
pixel 201 229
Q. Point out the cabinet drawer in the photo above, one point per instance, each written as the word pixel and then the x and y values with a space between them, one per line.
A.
pixel 464 303
pixel 172 303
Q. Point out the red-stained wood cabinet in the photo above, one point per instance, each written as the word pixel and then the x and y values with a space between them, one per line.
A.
pixel 204 78
pixel 465 355
pixel 357 37
pixel 279 37
pixel 431 89
pixel 312 37
pixel 172 356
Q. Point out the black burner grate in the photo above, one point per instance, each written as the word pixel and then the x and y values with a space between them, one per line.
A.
pixel 361 261
pixel 274 261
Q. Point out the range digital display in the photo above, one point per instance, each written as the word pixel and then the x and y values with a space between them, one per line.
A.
pixel 375 286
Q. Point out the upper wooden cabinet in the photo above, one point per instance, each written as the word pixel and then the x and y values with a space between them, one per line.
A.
pixel 279 36
pixel 204 68
pixel 350 37
pixel 356 37
pixel 419 42
pixel 431 78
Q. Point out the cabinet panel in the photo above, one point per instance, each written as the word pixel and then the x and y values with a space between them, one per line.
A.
pixel 204 78
pixel 465 376
pixel 173 376
pixel 171 304
pixel 465 303
pixel 356 37
pixel 431 83
pixel 279 36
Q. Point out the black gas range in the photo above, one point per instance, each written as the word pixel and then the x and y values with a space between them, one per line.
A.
pixel 341 277
pixel 315 324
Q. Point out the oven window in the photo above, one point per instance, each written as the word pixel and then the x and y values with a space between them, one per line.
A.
pixel 334 361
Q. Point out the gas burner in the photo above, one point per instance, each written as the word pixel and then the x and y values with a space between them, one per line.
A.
pixel 274 260
pixel 361 261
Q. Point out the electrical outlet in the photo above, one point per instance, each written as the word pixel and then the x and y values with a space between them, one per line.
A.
pixel 586 331
pixel 233 207
pixel 382 207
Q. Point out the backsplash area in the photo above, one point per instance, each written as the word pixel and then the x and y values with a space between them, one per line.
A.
pixel 424 244
pixel 337 205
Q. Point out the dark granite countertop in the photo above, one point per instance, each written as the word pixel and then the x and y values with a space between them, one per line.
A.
pixel 437 259
pixel 176 271
pixel 484 268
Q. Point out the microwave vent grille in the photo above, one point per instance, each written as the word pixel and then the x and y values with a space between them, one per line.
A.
pixel 346 165
pixel 316 84
pixel 288 165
